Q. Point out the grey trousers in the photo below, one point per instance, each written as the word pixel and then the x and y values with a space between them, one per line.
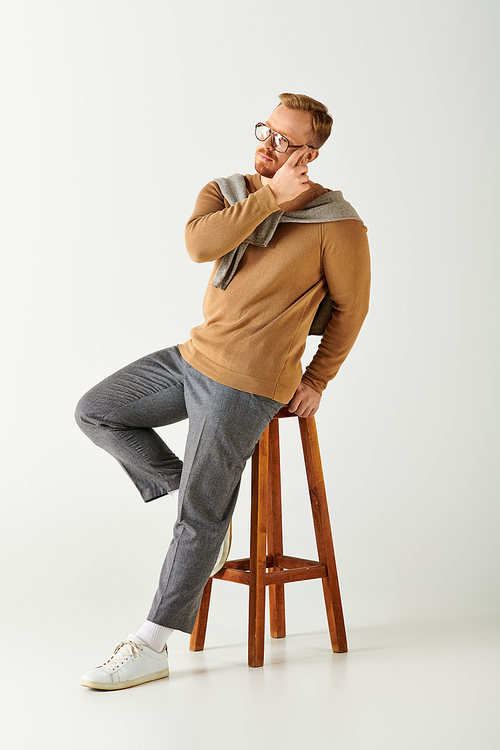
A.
pixel 119 415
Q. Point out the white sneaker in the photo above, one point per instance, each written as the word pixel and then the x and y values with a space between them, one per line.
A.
pixel 224 550
pixel 132 663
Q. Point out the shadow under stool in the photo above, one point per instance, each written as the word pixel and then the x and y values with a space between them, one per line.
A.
pixel 267 566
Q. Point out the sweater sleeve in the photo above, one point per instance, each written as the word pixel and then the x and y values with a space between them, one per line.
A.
pixel 346 265
pixel 214 229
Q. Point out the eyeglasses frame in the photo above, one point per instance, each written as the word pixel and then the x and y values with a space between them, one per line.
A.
pixel 271 135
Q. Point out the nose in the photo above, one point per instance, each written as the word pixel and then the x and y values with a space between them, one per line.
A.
pixel 266 147
pixel 269 144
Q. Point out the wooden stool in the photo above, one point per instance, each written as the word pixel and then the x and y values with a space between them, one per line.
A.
pixel 274 569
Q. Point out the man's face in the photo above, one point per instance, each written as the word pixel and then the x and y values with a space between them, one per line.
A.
pixel 296 126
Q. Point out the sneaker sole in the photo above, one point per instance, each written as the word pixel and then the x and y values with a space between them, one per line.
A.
pixel 129 683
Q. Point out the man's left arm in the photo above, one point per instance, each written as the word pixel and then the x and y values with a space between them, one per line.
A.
pixel 346 264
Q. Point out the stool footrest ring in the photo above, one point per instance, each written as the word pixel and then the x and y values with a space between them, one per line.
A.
pixel 288 569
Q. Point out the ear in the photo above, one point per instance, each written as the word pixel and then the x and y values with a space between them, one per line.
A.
pixel 311 155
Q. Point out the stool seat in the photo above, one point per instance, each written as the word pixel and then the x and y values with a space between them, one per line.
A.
pixel 267 565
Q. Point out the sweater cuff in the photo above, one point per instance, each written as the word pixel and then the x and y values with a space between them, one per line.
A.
pixel 313 384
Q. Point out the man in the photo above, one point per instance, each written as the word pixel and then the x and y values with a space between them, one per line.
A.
pixel 279 243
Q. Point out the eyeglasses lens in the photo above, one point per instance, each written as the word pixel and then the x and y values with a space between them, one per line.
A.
pixel 280 143
pixel 262 132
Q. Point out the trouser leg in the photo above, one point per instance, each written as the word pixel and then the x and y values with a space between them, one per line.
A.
pixel 224 427
pixel 119 415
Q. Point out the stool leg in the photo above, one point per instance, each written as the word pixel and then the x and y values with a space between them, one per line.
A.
pixel 257 594
pixel 197 641
pixel 275 532
pixel 323 532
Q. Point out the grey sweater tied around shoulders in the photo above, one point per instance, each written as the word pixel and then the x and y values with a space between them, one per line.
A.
pixel 330 206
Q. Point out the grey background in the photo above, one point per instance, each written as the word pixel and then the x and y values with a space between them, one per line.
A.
pixel 114 115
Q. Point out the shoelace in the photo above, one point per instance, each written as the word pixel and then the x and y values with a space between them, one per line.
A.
pixel 129 649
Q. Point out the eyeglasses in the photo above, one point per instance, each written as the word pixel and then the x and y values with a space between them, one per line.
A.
pixel 279 142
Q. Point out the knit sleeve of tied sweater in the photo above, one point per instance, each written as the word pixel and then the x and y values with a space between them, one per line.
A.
pixel 254 332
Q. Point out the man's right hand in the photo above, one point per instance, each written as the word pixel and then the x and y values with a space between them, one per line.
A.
pixel 291 179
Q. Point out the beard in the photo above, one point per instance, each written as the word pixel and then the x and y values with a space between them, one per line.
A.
pixel 265 169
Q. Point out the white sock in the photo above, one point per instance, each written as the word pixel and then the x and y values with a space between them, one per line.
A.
pixel 155 636
pixel 174 494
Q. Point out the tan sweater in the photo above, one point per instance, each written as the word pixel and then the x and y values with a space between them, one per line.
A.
pixel 255 331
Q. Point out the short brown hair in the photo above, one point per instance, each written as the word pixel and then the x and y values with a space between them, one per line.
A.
pixel 321 121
